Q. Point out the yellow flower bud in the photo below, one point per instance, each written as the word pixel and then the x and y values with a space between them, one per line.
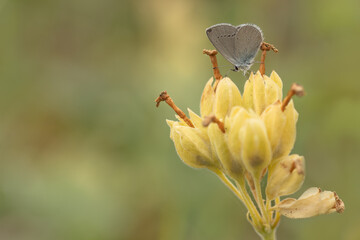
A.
pixel 207 99
pixel 232 167
pixel 273 92
pixel 254 93
pixel 311 203
pixel 233 124
pixel 170 123
pixel 285 176
pixel 275 77
pixel 248 96
pixel 197 121
pixel 274 120
pixel 287 139
pixel 281 128
pixel 193 146
pixel 261 91
pixel 256 150
pixel 227 96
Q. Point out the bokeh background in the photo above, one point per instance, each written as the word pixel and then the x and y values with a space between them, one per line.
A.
pixel 84 153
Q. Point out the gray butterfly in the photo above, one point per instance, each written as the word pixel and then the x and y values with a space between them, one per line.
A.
pixel 239 45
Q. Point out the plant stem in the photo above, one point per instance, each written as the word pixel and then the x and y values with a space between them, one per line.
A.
pixel 277 215
pixel 229 184
pixel 261 222
pixel 243 196
pixel 269 235
pixel 260 201
pixel 256 218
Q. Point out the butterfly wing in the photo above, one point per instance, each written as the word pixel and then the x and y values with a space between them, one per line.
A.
pixel 222 36
pixel 248 39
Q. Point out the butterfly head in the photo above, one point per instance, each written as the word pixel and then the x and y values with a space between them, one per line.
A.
pixel 243 67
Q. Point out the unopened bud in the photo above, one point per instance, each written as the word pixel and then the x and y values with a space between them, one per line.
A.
pixel 207 99
pixel 281 128
pixel 233 124
pixel 256 150
pixel 232 168
pixel 273 92
pixel 193 146
pixel 254 93
pixel 261 91
pixel 227 96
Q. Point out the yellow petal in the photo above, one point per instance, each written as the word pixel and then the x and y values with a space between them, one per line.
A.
pixel 234 111
pixel 193 147
pixel 227 96
pixel 233 125
pixel 196 120
pixel 275 77
pixel 259 94
pixel 313 202
pixel 274 120
pixel 194 141
pixel 181 121
pixel 170 124
pixel 286 177
pixel 272 91
pixel 248 96
pixel 255 93
pixel 287 139
pixel 256 150
pixel 229 164
pixel 207 99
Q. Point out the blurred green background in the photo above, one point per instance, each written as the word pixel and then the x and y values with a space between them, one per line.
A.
pixel 84 153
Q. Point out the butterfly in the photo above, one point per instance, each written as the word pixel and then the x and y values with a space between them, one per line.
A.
pixel 239 45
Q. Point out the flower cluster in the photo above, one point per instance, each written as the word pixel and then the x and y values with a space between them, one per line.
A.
pixel 246 139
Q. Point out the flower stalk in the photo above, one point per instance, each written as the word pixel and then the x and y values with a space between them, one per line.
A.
pixel 213 119
pixel 295 89
pixel 213 59
pixel 165 97
pixel 265 47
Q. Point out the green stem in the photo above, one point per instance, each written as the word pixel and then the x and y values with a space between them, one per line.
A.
pixel 277 214
pixel 268 235
pixel 269 212
pixel 243 196
pixel 256 218
pixel 231 186
pixel 260 201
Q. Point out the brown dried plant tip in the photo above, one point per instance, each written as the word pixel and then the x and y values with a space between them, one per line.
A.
pixel 162 97
pixel 267 47
pixel 166 98
pixel 212 55
pixel 295 89
pixel 210 52
pixel 296 165
pixel 339 204
pixel 213 119
pixel 264 48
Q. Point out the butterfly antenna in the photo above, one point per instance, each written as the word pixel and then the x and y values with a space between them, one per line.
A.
pixel 222 66
pixel 227 73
